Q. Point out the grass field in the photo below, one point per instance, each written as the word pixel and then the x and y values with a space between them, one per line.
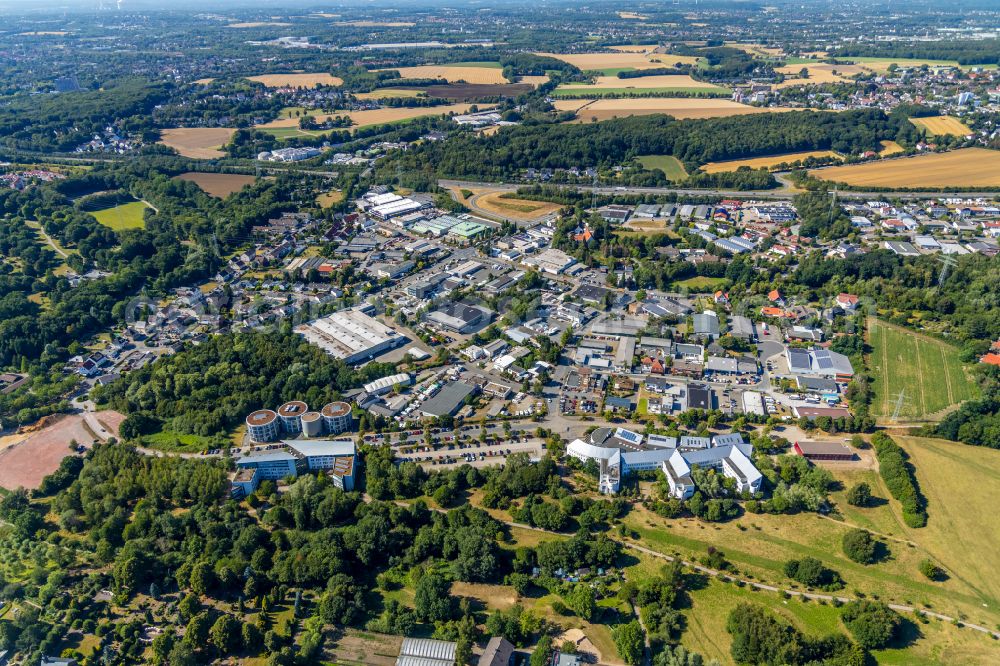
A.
pixel 668 164
pixel 942 125
pixel 681 108
pixel 966 167
pixel 328 199
pixel 297 80
pixel 219 185
pixel 765 162
pixel 927 372
pixel 454 73
pixel 933 643
pixel 606 85
pixel 197 142
pixel 702 283
pixel 124 216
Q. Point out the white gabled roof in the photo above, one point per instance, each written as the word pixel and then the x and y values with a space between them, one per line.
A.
pixel 582 449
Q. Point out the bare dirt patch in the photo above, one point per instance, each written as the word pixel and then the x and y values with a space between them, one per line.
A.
pixel 521 209
pixel 25 463
pixel 219 185
pixel 297 80
pixel 203 143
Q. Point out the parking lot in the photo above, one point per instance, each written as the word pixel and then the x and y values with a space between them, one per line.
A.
pixel 472 453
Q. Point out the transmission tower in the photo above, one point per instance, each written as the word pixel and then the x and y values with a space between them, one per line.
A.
pixel 947 262
pixel 900 401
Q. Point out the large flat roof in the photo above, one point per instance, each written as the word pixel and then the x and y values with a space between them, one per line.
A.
pixel 448 399
pixel 321 447
pixel 349 333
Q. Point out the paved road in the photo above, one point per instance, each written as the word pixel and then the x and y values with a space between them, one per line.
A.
pixel 777 193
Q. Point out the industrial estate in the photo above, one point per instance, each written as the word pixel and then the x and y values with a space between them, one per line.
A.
pixel 429 334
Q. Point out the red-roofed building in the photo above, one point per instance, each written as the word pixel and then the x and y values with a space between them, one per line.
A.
pixel 991 359
pixel 847 301
pixel 775 297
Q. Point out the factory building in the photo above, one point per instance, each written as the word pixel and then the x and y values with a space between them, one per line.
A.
pixel 351 335
pixel 262 426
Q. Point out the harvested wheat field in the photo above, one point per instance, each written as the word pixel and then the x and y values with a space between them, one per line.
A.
pixel 890 148
pixel 966 167
pixel 297 80
pixel 766 162
pixel 592 61
pixel 25 463
pixel 452 74
pixel 534 80
pixel 201 143
pixel 257 24
pixel 942 125
pixel 376 24
pixel 383 93
pixel 203 82
pixel 680 108
pixel 632 16
pixel 660 81
pixel 374 116
pixel 519 209
pixel 818 73
pixel 634 48
pixel 219 185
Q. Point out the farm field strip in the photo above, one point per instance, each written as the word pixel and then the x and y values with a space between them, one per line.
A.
pixel 680 108
pixel 765 162
pixel 197 142
pixel 219 185
pixel 619 60
pixel 942 125
pixel 453 74
pixel 966 167
pixel 297 80
pixel 290 126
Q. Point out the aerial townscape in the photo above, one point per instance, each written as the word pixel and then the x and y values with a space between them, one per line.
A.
pixel 437 333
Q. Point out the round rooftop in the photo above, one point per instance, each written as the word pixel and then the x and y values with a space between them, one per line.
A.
pixel 309 417
pixel 293 408
pixel 261 417
pixel 336 409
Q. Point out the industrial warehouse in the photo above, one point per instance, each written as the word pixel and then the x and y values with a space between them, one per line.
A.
pixel 351 335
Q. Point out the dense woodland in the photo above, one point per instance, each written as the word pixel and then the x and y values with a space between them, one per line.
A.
pixel 612 142
pixel 208 389
pixel 966 52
